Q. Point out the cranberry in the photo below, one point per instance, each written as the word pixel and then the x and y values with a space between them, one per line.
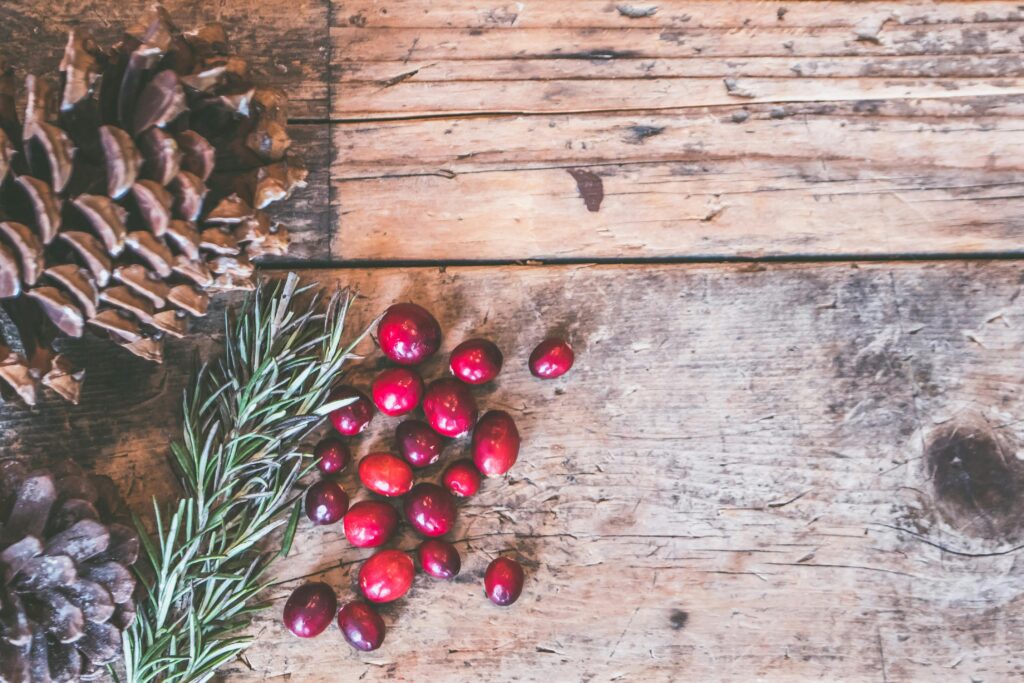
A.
pixel 332 455
pixel 310 608
pixel 370 523
pixel 386 576
pixel 408 334
pixel 552 358
pixel 495 443
pixel 462 478
pixel 362 626
pixel 439 558
pixel 476 361
pixel 418 443
pixel 385 474
pixel 396 391
pixel 430 509
pixel 351 419
pixel 326 502
pixel 503 581
pixel 449 407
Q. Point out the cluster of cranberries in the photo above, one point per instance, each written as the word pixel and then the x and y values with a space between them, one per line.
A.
pixel 408 335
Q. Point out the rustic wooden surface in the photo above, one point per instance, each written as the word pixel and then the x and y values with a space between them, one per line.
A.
pixel 712 128
pixel 757 471
pixel 734 483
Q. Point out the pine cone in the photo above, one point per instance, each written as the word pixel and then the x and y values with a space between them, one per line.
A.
pixel 65 574
pixel 129 191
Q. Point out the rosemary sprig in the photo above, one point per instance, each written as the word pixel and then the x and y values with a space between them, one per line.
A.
pixel 238 465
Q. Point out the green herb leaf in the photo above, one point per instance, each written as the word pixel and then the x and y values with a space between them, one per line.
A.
pixel 239 461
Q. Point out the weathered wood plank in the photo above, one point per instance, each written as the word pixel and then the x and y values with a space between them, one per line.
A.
pixel 949 67
pixel 430 98
pixel 747 475
pixel 703 130
pixel 666 14
pixel 401 45
pixel 866 178
pixel 935 134
pixel 418 58
pixel 286 41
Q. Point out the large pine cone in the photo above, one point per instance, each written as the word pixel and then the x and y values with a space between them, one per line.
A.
pixel 132 187
pixel 65 574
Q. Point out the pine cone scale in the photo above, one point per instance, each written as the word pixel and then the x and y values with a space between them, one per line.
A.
pixel 153 158
pixel 66 590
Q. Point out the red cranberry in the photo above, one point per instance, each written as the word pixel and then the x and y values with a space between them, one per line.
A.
pixel 495 443
pixel 408 334
pixel 362 626
pixel 385 474
pixel 418 443
pixel 370 523
pixel 552 358
pixel 332 455
pixel 476 361
pixel 439 558
pixel 462 478
pixel 430 509
pixel 326 502
pixel 449 407
pixel 310 608
pixel 351 419
pixel 386 576
pixel 503 581
pixel 396 391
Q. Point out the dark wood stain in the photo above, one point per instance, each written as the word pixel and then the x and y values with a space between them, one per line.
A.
pixel 640 133
pixel 678 619
pixel 591 188
pixel 977 480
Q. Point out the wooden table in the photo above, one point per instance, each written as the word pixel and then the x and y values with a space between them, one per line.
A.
pixel 783 237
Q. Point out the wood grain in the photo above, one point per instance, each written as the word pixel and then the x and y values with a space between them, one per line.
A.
pixel 866 178
pixel 709 129
pixel 744 477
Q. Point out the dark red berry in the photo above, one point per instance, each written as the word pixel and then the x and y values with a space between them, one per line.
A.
pixel 326 502
pixel 439 558
pixel 386 576
pixel 462 478
pixel 476 361
pixel 370 523
pixel 310 609
pixel 362 626
pixel 418 443
pixel 408 334
pixel 385 474
pixel 332 455
pixel 353 418
pixel 430 509
pixel 552 358
pixel 396 391
pixel 503 581
pixel 449 407
pixel 495 443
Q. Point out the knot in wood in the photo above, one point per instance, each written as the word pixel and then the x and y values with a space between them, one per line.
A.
pixel 977 479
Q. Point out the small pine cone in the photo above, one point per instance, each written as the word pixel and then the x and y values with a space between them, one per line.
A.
pixel 66 552
pixel 129 190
